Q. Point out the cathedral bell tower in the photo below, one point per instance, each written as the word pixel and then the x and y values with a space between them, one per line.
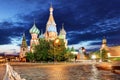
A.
pixel 51 31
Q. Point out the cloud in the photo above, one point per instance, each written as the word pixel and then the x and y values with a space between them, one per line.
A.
pixel 85 20
pixel 87 45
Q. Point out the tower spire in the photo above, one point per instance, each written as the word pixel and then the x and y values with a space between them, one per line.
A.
pixel 51 9
pixel 51 18
pixel 34 21
pixel 24 43
pixel 62 25
pixel 41 31
pixel 104 40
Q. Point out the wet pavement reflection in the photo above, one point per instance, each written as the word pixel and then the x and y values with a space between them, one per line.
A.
pixel 65 72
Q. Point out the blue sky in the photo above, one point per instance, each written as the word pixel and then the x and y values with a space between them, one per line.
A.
pixel 86 21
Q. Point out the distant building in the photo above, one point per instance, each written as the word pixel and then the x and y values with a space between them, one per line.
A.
pixel 113 51
pixel 23 48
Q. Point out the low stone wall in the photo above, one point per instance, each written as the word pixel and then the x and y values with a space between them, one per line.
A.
pixel 113 66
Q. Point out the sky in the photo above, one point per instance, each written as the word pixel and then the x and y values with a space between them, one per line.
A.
pixel 85 21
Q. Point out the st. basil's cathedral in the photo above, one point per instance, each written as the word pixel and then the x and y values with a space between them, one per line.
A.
pixel 49 34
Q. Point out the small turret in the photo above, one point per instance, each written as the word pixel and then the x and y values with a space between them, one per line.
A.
pixel 41 36
pixel 23 48
pixel 62 31
pixel 104 41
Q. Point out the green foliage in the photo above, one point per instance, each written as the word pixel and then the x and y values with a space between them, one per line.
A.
pixel 97 53
pixel 104 54
pixel 50 51
pixel 30 57
pixel 72 49
pixel 100 54
pixel 41 50
pixel 115 59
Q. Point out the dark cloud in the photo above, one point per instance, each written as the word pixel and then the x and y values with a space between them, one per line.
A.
pixel 84 20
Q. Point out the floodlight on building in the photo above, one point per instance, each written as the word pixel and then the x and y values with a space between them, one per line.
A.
pixel 108 54
pixel 93 57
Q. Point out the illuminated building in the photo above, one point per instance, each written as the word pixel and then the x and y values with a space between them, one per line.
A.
pixel 114 51
pixel 50 32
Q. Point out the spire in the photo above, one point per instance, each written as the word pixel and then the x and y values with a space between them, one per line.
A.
pixel 63 32
pixel 24 43
pixel 62 25
pixel 51 20
pixel 34 21
pixel 41 31
pixel 104 41
pixel 51 9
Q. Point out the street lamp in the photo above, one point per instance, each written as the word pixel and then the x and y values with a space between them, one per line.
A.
pixel 93 57
pixel 56 42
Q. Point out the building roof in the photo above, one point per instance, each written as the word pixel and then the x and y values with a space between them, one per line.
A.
pixel 34 29
pixel 114 51
pixel 41 35
pixel 51 25
pixel 62 31
pixel 51 18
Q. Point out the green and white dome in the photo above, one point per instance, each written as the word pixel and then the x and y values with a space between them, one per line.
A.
pixel 34 29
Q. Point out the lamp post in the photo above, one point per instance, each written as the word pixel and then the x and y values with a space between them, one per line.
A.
pixel 56 42
pixel 100 55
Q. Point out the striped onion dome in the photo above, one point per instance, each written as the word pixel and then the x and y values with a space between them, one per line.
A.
pixel 34 29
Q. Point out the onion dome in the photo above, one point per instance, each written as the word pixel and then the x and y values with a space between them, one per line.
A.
pixel 34 29
pixel 62 31
pixel 52 29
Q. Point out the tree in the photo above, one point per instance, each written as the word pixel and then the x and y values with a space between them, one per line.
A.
pixel 30 56
pixel 41 50
pixel 104 54
pixel 51 51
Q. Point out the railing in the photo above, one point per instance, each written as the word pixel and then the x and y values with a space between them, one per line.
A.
pixel 10 74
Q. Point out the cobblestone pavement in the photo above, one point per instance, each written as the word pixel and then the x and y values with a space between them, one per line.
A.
pixel 64 72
